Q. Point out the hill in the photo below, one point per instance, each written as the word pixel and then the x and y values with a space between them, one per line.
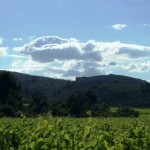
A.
pixel 46 86
pixel 115 90
pixel 118 90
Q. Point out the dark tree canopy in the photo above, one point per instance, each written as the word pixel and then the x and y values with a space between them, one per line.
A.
pixel 86 97
pixel 82 102
pixel 9 91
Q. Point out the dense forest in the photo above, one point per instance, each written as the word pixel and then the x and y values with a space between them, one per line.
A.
pixel 87 96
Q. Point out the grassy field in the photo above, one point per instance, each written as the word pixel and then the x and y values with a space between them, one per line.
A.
pixel 140 110
pixel 48 133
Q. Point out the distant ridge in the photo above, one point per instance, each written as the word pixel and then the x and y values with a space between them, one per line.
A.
pixel 110 79
pixel 115 90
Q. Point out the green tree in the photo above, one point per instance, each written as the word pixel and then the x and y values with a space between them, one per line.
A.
pixel 81 102
pixel 9 90
pixel 39 101
pixel 58 108
pixel 7 111
pixel 127 112
pixel 100 109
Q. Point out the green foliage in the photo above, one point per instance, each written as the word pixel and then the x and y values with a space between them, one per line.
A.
pixel 115 90
pixel 58 108
pixel 8 86
pixel 37 95
pixel 101 109
pixel 127 112
pixel 84 101
pixel 7 110
pixel 45 133
pixel 143 110
pixel 10 97
pixel 14 99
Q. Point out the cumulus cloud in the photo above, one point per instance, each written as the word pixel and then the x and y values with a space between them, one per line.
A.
pixel 119 26
pixel 54 69
pixel 73 73
pixel 87 72
pixel 1 40
pixel 139 67
pixel 3 51
pixel 47 49
pixel 17 39
pixel 134 53
pixel 92 71
pixel 27 66
pixel 68 58
pixel 112 63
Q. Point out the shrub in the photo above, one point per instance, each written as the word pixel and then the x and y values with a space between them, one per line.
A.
pixel 7 111
pixel 127 112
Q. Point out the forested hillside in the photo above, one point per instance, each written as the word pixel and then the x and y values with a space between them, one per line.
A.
pixel 115 90
pixel 35 95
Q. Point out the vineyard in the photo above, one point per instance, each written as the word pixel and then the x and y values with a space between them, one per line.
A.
pixel 48 133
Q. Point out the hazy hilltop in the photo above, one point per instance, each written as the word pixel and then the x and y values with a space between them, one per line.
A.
pixel 46 86
pixel 115 90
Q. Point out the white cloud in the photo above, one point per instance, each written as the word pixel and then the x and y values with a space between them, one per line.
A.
pixel 67 58
pixel 32 37
pixel 47 49
pixel 89 71
pixel 134 52
pixel 27 66
pixel 3 51
pixel 54 69
pixel 140 67
pixel 1 40
pixel 17 39
pixel 119 26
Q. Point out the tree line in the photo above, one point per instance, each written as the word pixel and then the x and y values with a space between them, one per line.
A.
pixel 82 103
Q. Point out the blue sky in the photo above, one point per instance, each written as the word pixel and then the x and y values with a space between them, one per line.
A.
pixel 69 38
